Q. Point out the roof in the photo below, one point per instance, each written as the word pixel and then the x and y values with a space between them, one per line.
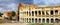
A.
pixel 25 6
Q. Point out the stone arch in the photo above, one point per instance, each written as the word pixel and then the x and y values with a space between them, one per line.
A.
pixel 47 20
pixel 39 20
pixel 43 20
pixel 52 20
pixel 35 20
pixel 39 12
pixel 56 20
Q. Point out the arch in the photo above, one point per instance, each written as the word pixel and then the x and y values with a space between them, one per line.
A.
pixel 29 20
pixel 56 20
pixel 36 13
pixel 43 20
pixel 56 11
pixel 47 20
pixel 52 20
pixel 35 20
pixel 39 12
pixel 51 12
pixel 39 20
pixel 32 13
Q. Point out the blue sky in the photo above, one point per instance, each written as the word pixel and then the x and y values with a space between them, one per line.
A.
pixel 11 5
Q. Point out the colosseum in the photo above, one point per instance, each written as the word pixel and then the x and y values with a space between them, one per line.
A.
pixel 31 13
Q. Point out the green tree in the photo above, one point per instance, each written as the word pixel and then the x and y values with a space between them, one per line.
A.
pixel 1 14
pixel 13 13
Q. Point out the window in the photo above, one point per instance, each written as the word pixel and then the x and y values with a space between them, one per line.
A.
pixel 36 13
pixel 56 12
pixel 52 21
pixel 56 20
pixel 32 13
pixel 43 20
pixel 43 13
pixel 29 13
pixel 39 12
pixel 29 20
pixel 35 20
pixel 39 20
pixel 51 12
pixel 47 20
pixel 47 13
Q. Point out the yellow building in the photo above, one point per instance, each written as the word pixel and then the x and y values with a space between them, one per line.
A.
pixel 38 13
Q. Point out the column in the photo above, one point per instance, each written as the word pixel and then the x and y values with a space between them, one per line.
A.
pixel 54 19
pixel 49 12
pixel 31 13
pixel 49 21
pixel 34 20
pixel 45 12
pixel 45 20
pixel 58 12
pixel 37 13
pixel 54 12
pixel 41 20
pixel 34 14
pixel 41 13
pixel 31 20
pixel 28 19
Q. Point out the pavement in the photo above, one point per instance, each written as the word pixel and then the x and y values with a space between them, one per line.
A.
pixel 13 24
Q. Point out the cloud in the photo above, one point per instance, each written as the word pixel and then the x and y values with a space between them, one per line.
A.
pixel 12 6
pixel 47 2
pixel 52 2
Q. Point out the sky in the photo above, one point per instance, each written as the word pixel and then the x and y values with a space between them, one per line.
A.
pixel 11 5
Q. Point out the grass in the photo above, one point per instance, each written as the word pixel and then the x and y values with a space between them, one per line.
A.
pixel 1 21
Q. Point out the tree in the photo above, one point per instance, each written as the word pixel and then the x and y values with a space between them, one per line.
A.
pixel 1 14
pixel 13 13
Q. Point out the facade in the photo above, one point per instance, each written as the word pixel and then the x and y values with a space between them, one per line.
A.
pixel 38 14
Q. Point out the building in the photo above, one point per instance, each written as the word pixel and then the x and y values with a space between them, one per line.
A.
pixel 38 13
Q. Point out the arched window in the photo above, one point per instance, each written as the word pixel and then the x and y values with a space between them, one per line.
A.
pixel 39 12
pixel 56 12
pixel 35 20
pixel 36 13
pixel 52 21
pixel 56 20
pixel 27 12
pixel 32 13
pixel 51 12
pixel 47 20
pixel 29 20
pixel 39 20
pixel 43 20
pixel 43 13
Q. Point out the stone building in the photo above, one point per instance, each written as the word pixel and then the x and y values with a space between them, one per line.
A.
pixel 38 13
